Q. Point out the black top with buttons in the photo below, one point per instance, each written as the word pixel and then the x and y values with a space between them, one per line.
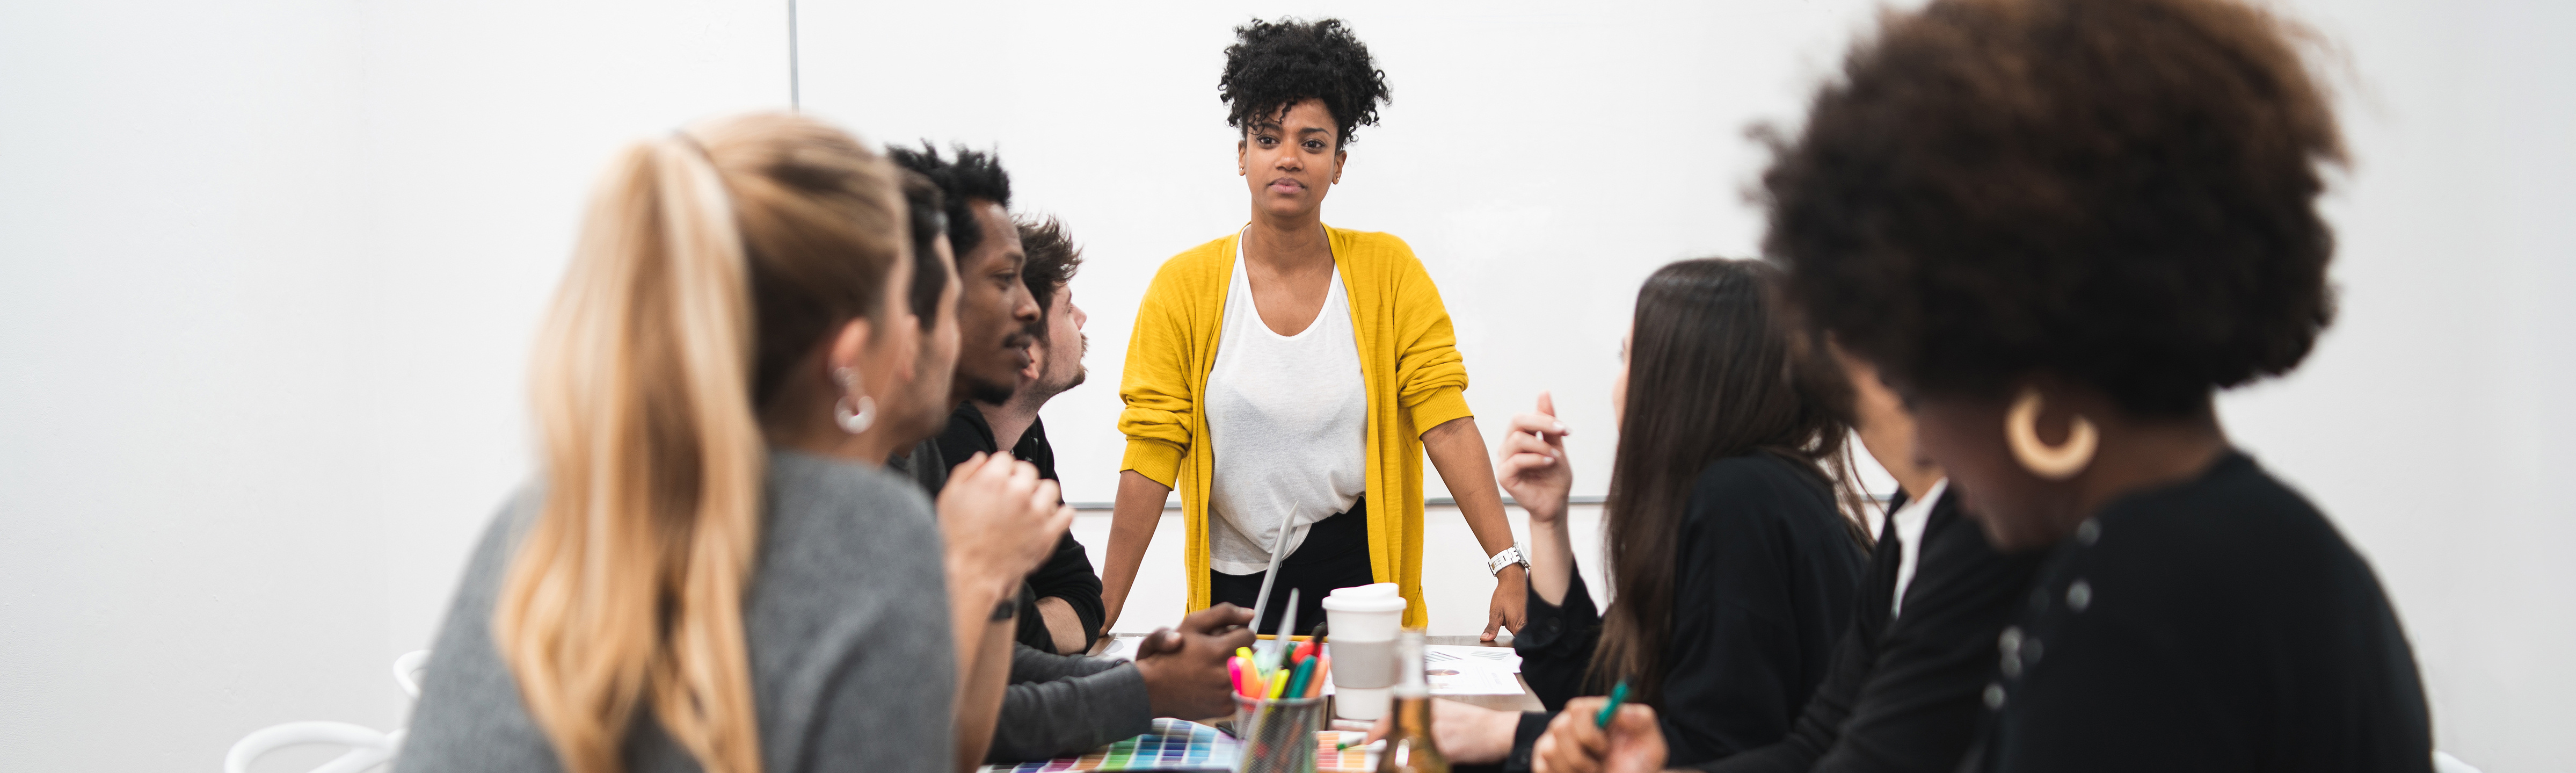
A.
pixel 2216 625
pixel 1763 585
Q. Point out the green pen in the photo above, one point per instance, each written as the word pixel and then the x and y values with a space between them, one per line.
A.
pixel 1298 677
pixel 1618 695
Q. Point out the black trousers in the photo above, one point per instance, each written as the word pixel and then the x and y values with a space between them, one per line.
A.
pixel 1334 555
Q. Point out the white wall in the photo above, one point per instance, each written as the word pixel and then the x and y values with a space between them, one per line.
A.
pixel 268 272
pixel 2431 422
pixel 182 539
pixel 1541 159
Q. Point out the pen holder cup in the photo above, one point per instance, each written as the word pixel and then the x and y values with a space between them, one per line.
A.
pixel 1278 735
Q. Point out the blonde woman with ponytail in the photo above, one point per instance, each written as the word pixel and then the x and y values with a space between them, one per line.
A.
pixel 711 572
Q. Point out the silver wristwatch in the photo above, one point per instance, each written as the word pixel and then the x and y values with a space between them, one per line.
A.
pixel 1510 555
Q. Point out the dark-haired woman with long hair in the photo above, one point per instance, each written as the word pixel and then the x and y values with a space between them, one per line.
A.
pixel 1290 377
pixel 1735 542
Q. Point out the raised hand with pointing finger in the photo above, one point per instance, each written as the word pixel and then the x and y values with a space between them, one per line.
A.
pixel 1532 466
pixel 1532 463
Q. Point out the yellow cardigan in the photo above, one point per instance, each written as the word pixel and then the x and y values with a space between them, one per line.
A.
pixel 1408 358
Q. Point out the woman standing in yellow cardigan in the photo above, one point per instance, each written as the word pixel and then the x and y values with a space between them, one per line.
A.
pixel 1288 377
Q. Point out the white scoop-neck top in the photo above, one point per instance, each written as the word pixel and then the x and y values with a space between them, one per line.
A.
pixel 1288 417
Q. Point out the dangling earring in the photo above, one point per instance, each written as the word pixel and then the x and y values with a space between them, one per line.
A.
pixel 2021 431
pixel 853 422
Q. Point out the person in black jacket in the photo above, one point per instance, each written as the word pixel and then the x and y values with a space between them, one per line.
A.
pixel 1734 545
pixel 1905 689
pixel 1053 704
pixel 2059 227
pixel 1060 607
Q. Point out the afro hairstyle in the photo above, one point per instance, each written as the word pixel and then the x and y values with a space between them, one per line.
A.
pixel 1272 66
pixel 2116 192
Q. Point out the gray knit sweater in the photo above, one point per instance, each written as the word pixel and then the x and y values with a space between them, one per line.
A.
pixel 846 622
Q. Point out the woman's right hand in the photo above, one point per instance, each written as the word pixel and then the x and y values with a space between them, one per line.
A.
pixel 1633 743
pixel 999 520
pixel 1532 463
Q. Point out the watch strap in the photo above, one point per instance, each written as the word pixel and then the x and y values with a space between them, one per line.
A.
pixel 1511 555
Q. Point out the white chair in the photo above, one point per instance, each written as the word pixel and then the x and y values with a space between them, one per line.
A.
pixel 2445 763
pixel 368 747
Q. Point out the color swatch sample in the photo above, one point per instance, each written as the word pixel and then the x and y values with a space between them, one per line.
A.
pixel 1177 745
pixel 1172 745
pixel 1352 760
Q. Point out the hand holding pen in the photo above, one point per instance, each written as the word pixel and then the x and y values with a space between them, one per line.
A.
pixel 1601 735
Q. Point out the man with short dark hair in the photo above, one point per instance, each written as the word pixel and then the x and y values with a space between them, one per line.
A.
pixel 1061 610
pixel 994 308
pixel 1056 704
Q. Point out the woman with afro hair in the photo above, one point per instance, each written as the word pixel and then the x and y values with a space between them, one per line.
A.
pixel 2058 228
pixel 1289 376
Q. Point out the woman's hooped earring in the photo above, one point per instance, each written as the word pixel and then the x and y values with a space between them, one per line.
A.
pixel 853 421
pixel 2021 431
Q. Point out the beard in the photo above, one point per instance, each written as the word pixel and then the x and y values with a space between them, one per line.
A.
pixel 1051 384
pixel 988 392
pixel 1081 346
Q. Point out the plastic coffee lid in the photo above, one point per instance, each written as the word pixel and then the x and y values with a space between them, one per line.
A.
pixel 1380 597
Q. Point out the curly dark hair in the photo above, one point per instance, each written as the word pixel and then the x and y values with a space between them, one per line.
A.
pixel 973 175
pixel 2117 192
pixel 1272 66
pixel 1053 259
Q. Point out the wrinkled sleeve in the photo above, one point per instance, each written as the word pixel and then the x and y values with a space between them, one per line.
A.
pixel 1067 574
pixel 1556 643
pixel 1156 386
pixel 1060 705
pixel 1431 377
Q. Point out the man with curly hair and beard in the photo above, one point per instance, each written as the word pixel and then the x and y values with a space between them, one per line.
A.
pixel 1289 376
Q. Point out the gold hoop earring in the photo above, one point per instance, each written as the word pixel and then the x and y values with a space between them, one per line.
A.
pixel 2021 431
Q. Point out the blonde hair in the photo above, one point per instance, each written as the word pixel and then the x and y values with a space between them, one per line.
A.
pixel 709 263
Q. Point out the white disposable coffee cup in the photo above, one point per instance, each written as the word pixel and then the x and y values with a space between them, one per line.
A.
pixel 1364 620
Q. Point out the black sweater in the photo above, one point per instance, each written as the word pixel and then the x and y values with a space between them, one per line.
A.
pixel 1904 692
pixel 1067 574
pixel 2216 625
pixel 1763 583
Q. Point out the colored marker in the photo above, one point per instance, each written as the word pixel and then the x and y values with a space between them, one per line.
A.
pixel 1278 682
pixel 1297 681
pixel 1323 669
pixel 1618 695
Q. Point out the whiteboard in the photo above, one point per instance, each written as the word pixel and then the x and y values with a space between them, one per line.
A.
pixel 1541 159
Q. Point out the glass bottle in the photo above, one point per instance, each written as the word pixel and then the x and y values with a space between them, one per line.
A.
pixel 1409 748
